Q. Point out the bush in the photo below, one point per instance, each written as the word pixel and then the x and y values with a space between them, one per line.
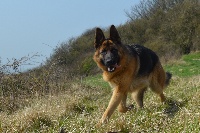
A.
pixel 169 27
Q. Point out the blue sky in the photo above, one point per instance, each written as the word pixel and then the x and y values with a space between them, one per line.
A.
pixel 38 26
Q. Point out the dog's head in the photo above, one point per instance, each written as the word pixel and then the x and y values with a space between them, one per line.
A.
pixel 107 53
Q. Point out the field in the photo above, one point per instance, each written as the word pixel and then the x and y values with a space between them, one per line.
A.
pixel 78 108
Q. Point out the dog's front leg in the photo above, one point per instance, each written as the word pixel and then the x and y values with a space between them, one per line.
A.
pixel 122 105
pixel 114 102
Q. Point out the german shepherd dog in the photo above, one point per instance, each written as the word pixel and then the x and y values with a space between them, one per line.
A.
pixel 128 69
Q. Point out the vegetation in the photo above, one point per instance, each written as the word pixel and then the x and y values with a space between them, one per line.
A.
pixel 68 94
pixel 77 106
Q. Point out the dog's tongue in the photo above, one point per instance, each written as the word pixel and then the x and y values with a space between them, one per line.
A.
pixel 116 65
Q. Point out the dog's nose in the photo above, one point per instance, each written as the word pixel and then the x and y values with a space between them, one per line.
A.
pixel 109 62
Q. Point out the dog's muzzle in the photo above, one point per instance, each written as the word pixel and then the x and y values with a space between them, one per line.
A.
pixel 111 65
pixel 110 60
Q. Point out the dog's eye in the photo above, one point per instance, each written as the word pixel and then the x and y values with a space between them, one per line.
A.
pixel 114 50
pixel 103 52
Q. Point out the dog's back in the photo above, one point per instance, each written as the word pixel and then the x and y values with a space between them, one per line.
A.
pixel 147 58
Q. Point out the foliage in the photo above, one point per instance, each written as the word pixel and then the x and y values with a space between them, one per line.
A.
pixel 172 22
pixel 169 27
pixel 87 65
pixel 33 83
pixel 71 54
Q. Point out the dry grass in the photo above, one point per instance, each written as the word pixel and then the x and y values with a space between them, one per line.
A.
pixel 79 109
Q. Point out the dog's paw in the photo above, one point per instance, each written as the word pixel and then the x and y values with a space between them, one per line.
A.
pixel 130 107
pixel 99 124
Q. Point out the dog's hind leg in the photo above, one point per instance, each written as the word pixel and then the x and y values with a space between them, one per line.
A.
pixel 138 97
pixel 158 90
pixel 158 81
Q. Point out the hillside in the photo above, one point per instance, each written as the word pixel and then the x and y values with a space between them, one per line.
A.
pixel 78 105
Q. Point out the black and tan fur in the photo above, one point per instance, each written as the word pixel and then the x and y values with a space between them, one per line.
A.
pixel 128 69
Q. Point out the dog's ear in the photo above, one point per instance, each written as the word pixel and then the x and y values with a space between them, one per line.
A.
pixel 99 37
pixel 114 35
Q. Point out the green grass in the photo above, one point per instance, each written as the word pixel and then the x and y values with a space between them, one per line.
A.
pixel 96 81
pixel 79 108
pixel 188 66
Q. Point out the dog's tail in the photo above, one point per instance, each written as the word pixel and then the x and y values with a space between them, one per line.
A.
pixel 168 77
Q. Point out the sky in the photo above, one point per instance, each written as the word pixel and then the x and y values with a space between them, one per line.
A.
pixel 34 28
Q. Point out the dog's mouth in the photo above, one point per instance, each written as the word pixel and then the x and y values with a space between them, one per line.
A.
pixel 112 68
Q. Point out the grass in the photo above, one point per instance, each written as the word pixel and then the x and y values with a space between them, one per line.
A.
pixel 187 66
pixel 79 107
